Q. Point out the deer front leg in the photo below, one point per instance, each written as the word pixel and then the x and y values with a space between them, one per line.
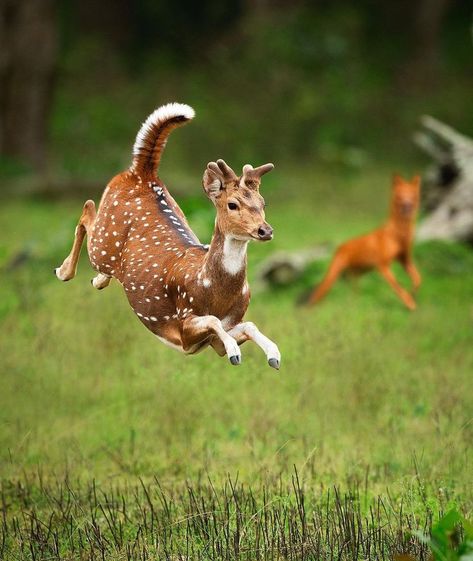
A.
pixel 67 270
pixel 197 329
pixel 386 272
pixel 248 330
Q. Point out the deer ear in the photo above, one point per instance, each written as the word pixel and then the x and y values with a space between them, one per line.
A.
pixel 212 184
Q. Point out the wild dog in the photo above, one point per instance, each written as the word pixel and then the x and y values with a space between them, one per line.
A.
pixel 377 250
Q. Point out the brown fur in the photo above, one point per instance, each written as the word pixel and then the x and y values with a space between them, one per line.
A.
pixel 378 249
pixel 189 295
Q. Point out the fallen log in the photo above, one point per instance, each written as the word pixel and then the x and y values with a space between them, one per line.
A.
pixel 284 268
pixel 448 183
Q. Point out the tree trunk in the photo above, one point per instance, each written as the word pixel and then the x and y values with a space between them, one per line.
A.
pixel 28 55
pixel 448 183
pixel 422 66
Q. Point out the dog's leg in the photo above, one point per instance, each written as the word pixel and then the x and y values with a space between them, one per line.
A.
pixel 67 270
pixel 413 273
pixel 388 275
pixel 337 266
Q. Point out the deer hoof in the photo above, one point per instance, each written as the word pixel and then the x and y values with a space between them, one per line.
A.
pixel 274 363
pixel 235 360
pixel 56 274
pixel 97 287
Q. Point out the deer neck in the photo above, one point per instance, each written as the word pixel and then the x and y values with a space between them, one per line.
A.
pixel 226 257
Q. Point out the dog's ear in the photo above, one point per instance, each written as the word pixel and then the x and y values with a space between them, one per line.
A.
pixel 397 179
pixel 415 181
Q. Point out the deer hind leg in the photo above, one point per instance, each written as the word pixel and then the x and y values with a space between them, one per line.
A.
pixel 101 281
pixel 248 331
pixel 406 298
pixel 196 330
pixel 67 270
pixel 337 266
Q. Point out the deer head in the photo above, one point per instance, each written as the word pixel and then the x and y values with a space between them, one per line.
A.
pixel 240 207
pixel 405 196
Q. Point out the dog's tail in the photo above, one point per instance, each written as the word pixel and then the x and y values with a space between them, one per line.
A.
pixel 153 134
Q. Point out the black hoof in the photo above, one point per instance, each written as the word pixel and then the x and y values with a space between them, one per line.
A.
pixel 274 363
pixel 235 360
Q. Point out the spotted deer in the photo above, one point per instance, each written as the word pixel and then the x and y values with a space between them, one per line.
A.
pixel 188 294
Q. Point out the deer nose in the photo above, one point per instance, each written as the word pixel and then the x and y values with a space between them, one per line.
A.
pixel 265 232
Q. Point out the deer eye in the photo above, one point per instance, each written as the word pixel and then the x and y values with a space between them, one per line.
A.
pixel 232 206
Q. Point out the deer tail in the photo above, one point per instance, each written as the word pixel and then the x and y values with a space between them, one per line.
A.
pixel 153 134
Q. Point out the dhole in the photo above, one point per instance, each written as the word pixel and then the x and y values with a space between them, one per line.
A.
pixel 378 249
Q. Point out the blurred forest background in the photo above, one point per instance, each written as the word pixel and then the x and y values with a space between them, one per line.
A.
pixel 298 82
pixel 113 446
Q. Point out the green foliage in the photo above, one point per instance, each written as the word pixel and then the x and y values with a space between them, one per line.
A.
pixel 446 259
pixel 298 83
pixel 445 540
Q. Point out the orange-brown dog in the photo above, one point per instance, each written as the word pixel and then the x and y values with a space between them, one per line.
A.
pixel 378 249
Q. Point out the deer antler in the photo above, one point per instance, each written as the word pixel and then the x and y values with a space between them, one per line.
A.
pixel 252 174
pixel 224 169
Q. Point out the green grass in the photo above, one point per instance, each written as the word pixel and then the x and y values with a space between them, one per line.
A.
pixel 370 399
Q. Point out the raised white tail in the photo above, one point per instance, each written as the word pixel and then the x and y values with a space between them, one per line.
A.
pixel 153 134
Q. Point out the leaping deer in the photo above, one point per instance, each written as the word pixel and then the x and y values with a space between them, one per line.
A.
pixel 189 295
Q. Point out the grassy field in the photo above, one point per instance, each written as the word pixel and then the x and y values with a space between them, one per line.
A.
pixel 113 446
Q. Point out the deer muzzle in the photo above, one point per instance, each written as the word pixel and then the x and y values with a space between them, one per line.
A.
pixel 265 232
